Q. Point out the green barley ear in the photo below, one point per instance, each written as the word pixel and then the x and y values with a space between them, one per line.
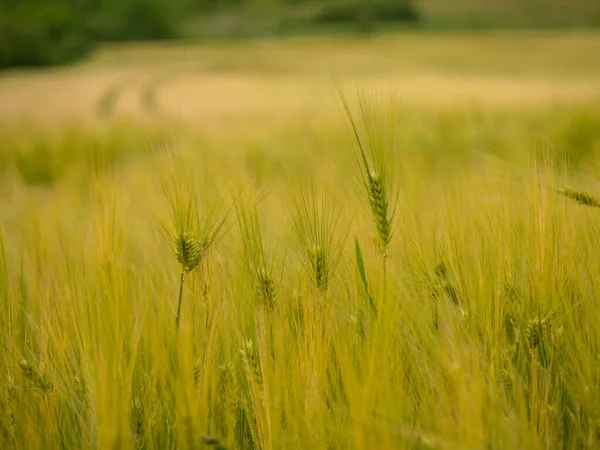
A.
pixel 212 441
pixel 316 227
pixel 265 286
pixel 380 205
pixel 34 376
pixel 441 270
pixel 251 362
pixel 187 251
pixel 318 262
pixel 375 158
pixel 260 266
pixel 537 332
pixel 196 224
pixel 583 198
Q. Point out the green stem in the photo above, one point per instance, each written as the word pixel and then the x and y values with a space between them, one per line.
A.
pixel 384 260
pixel 182 281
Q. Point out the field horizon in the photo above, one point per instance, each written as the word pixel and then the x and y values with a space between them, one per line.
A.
pixel 212 83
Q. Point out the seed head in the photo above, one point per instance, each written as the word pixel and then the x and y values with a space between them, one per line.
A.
pixel 214 442
pixel 33 375
pixel 380 207
pixel 581 197
pixel 320 268
pixel 537 332
pixel 265 287
pixel 188 251
pixel 506 379
pixel 441 270
pixel 251 361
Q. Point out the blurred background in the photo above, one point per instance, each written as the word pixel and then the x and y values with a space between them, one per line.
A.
pixel 48 32
pixel 227 62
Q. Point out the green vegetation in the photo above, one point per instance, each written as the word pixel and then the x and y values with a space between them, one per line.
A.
pixel 50 32
pixel 519 14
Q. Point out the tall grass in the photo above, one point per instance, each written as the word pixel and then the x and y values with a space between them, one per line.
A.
pixel 484 333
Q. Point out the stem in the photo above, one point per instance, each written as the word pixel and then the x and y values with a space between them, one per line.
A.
pixel 205 294
pixel 383 262
pixel 180 297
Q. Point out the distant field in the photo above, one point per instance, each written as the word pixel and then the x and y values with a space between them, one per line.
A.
pixel 240 82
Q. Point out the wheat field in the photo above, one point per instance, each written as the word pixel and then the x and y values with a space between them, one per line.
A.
pixel 333 244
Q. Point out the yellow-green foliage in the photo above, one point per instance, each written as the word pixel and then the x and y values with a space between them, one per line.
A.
pixel 482 333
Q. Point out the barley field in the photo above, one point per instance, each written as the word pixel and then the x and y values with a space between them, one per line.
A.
pixel 309 243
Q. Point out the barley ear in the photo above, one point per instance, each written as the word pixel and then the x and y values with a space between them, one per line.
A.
pixel 188 252
pixel 321 243
pixel 581 197
pixel 260 267
pixel 375 159
pixel 38 379
pixel 251 362
pixel 213 442
pixel 381 212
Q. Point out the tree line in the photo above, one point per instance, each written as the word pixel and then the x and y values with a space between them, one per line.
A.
pixel 49 32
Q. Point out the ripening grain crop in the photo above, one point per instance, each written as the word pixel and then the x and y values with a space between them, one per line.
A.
pixel 387 276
